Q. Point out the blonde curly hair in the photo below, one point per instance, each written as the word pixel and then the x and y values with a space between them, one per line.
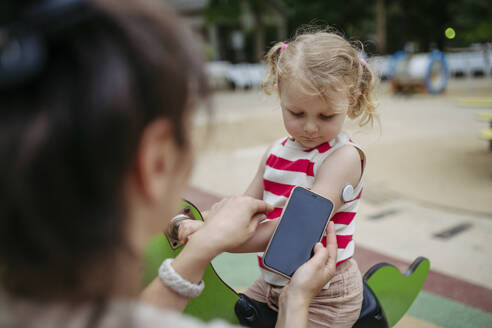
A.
pixel 320 61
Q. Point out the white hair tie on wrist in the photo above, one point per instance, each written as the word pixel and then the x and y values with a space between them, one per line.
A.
pixel 173 280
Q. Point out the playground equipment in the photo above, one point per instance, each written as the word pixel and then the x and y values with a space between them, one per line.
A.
pixel 237 76
pixel 470 63
pixel 473 63
pixel 388 294
pixel 418 72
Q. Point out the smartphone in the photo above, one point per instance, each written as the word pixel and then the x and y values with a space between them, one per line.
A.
pixel 301 226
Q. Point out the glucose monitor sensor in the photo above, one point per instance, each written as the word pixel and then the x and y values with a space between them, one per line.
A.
pixel 347 193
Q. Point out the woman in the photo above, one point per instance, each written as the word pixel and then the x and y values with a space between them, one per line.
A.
pixel 95 97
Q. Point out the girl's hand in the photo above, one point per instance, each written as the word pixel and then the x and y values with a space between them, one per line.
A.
pixel 232 221
pixel 310 278
pixel 188 228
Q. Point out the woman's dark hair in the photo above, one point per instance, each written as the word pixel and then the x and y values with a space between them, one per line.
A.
pixel 70 127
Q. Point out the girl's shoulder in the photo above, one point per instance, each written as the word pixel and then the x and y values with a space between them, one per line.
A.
pixel 342 140
pixel 341 149
pixel 278 145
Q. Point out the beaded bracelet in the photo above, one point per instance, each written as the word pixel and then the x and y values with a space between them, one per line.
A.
pixel 173 280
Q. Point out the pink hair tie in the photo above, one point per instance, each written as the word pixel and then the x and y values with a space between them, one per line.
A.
pixel 284 45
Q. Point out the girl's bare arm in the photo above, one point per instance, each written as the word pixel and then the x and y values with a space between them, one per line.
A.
pixel 259 241
pixel 341 168
pixel 255 188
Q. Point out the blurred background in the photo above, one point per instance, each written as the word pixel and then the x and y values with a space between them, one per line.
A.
pixel 241 30
pixel 428 188
pixel 429 170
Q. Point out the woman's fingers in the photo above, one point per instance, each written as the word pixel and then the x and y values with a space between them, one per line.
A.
pixel 331 245
pixel 318 252
pixel 187 228
pixel 331 235
pixel 325 255
pixel 233 220
pixel 320 257
pixel 257 219
pixel 252 205
pixel 260 206
pixel 325 258
pixel 328 255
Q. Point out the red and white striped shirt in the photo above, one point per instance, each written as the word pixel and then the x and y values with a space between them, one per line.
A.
pixel 290 164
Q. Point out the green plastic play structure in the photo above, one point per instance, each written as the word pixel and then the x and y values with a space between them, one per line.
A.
pixel 217 299
pixel 388 294
pixel 394 291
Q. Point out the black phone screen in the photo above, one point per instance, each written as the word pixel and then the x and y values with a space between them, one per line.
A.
pixel 301 227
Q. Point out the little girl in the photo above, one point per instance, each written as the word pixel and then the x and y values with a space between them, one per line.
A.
pixel 320 80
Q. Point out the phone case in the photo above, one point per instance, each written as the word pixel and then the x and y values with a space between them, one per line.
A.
pixel 281 217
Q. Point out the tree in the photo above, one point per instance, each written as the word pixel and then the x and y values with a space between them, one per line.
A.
pixel 232 12
pixel 353 18
pixel 472 21
pixel 383 26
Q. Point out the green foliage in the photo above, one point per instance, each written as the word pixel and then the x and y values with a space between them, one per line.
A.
pixel 481 33
pixel 227 12
pixel 421 22
pixel 472 21
pixel 354 18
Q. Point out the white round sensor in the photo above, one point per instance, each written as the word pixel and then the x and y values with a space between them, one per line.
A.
pixel 347 193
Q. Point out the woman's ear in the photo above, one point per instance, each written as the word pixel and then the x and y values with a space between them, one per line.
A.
pixel 156 158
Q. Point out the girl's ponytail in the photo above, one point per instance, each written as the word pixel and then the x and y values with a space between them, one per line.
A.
pixel 365 105
pixel 272 57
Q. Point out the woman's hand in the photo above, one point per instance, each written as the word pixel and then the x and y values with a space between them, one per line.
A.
pixel 188 228
pixel 307 282
pixel 310 278
pixel 229 223
pixel 232 221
